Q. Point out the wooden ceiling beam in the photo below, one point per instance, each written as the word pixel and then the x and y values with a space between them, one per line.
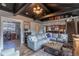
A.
pixel 20 10
pixel 57 13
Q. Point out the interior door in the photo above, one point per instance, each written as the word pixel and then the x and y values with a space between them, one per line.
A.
pixel 5 19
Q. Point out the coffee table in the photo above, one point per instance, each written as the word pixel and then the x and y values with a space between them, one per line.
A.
pixel 54 48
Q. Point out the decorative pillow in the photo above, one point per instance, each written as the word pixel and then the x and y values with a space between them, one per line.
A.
pixel 49 35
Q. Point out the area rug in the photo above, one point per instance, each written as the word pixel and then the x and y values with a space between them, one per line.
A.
pixel 66 52
pixel 41 53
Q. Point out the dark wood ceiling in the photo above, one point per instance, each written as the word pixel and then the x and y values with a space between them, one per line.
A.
pixel 49 9
pixel 11 7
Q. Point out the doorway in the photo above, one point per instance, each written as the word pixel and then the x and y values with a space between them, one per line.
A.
pixel 12 33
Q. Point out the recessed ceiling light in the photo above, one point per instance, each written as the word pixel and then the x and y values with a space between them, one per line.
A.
pixel 3 4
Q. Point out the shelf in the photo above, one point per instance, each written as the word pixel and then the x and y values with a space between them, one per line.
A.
pixel 55 28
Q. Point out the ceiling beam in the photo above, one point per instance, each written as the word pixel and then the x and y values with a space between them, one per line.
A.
pixel 14 7
pixel 20 10
pixel 58 13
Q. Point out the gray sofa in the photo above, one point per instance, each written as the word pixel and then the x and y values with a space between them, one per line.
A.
pixel 35 42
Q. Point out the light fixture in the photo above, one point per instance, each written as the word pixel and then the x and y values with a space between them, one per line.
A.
pixel 37 9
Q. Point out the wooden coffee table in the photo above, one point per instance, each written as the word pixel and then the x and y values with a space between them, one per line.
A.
pixel 54 48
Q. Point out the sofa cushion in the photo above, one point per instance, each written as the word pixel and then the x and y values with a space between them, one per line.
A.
pixel 32 38
pixel 60 40
pixel 39 37
pixel 54 36
pixel 64 36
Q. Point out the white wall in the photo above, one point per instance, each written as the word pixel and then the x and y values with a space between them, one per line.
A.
pixel 0 36
pixel 26 19
pixel 5 14
pixel 19 17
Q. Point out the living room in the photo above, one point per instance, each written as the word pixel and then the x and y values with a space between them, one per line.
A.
pixel 33 29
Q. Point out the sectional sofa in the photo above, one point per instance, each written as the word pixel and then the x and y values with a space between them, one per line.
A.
pixel 35 42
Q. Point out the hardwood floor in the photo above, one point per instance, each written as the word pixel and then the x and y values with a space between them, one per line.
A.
pixel 25 51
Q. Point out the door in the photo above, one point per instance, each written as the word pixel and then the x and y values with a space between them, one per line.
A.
pixel 9 29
